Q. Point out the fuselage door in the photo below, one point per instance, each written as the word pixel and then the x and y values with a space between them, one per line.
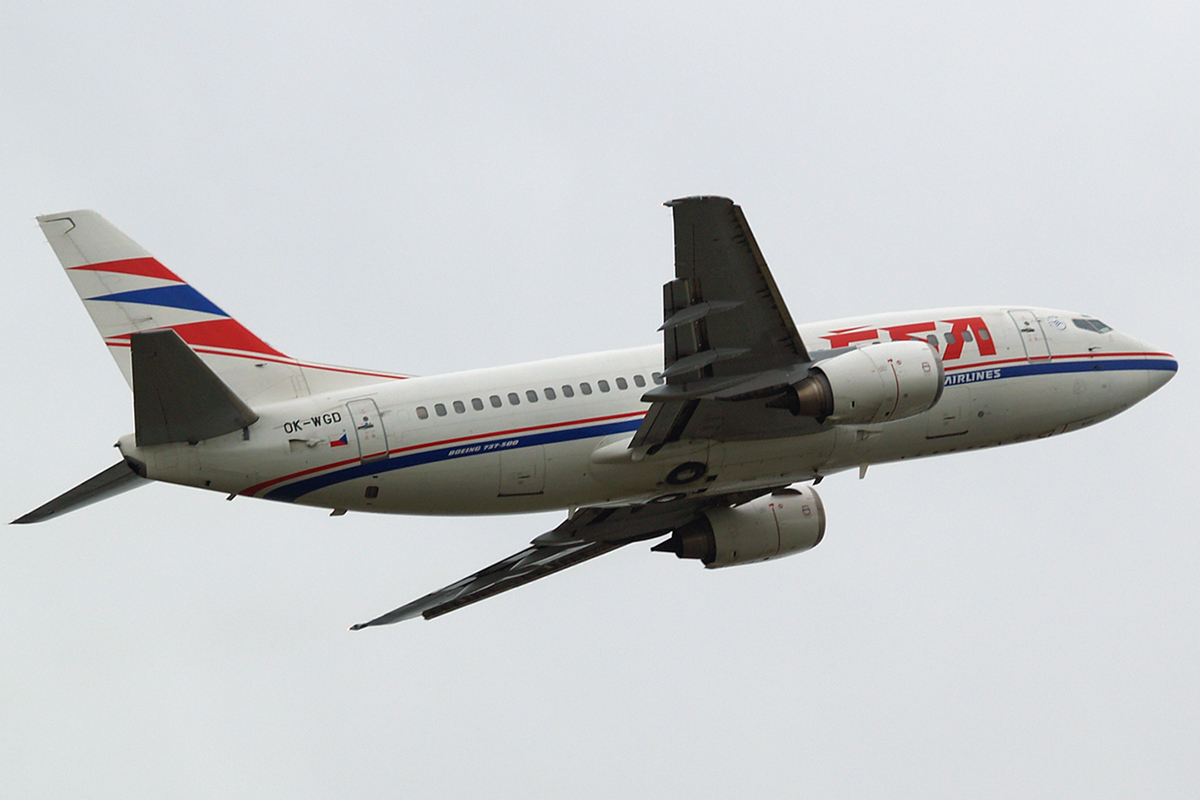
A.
pixel 1032 335
pixel 368 427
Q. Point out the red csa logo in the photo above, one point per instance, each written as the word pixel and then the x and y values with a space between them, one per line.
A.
pixel 961 331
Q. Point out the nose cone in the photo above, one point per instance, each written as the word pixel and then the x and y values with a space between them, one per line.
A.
pixel 1160 370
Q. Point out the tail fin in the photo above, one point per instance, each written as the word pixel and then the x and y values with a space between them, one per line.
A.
pixel 126 290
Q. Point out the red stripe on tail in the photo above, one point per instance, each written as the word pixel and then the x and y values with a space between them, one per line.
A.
pixel 227 334
pixel 146 267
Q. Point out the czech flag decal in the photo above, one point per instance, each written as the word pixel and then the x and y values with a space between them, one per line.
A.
pixel 338 442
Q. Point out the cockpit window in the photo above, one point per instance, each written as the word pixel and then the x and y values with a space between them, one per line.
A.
pixel 1094 325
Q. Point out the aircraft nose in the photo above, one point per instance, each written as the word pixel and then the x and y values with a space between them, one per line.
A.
pixel 1160 370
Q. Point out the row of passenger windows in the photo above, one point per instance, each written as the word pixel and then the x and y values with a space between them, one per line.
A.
pixel 532 396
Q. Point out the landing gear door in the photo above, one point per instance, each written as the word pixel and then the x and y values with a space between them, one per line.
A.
pixel 368 427
pixel 1032 335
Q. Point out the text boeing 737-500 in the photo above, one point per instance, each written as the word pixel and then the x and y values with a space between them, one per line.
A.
pixel 704 441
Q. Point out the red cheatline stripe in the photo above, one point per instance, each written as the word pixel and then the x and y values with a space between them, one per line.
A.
pixel 348 371
pixel 226 333
pixel 1055 357
pixel 146 267
pixel 257 488
pixel 442 443
pixel 978 364
pixel 510 432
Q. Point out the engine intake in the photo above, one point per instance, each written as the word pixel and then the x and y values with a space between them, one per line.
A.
pixel 780 524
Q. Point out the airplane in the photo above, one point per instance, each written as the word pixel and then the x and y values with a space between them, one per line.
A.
pixel 710 442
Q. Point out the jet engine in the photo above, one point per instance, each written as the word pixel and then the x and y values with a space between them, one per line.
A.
pixel 876 383
pixel 784 522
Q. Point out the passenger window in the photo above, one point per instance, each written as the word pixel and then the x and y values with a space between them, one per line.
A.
pixel 531 395
pixel 440 409
pixel 495 401
pixel 459 408
pixel 950 338
pixel 622 384
pixel 550 395
pixel 477 404
pixel 514 399
pixel 585 387
pixel 422 412
pixel 984 335
pixel 933 342
pixel 967 337
pixel 568 390
pixel 639 381
pixel 658 378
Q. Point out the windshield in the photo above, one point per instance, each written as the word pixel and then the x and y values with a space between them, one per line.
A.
pixel 1094 325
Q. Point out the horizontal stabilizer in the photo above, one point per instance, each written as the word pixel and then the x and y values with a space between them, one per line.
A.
pixel 176 396
pixel 114 480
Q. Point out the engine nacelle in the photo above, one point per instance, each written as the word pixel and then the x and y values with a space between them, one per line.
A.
pixel 876 383
pixel 787 521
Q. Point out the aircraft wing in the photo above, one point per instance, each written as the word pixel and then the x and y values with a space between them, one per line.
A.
pixel 589 532
pixel 727 334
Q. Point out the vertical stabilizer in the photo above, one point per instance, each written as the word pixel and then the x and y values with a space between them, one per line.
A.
pixel 126 291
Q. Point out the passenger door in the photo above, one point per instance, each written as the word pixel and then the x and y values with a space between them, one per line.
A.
pixel 1032 335
pixel 368 427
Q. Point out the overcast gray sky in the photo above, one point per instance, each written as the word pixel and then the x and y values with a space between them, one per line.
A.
pixel 426 187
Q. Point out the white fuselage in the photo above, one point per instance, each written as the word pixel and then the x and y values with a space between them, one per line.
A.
pixel 555 433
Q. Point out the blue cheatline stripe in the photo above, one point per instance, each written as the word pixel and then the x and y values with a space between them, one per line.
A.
pixel 1060 367
pixel 1096 365
pixel 178 295
pixel 292 491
